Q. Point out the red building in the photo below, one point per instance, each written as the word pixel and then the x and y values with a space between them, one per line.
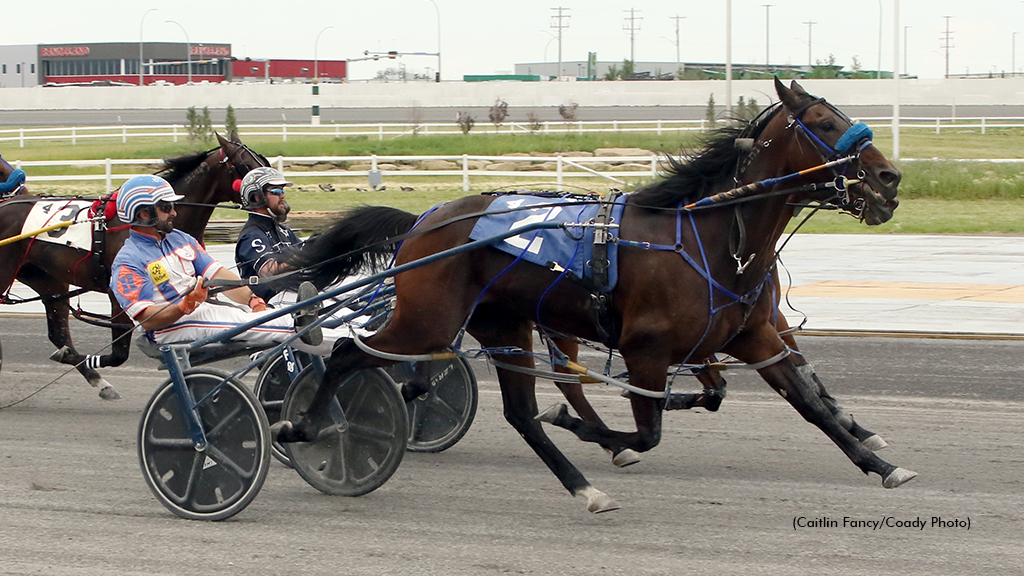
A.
pixel 294 70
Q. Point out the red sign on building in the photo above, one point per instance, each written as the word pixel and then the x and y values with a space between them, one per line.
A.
pixel 211 51
pixel 63 51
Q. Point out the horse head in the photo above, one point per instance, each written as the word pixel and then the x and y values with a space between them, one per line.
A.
pixel 825 135
pixel 239 159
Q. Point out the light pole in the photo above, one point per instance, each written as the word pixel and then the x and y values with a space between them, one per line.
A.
pixel 559 21
pixel 1013 56
pixel 679 63
pixel 810 63
pixel 316 61
pixel 438 10
pixel 906 70
pixel 878 69
pixel 141 83
pixel 767 60
pixel 546 46
pixel 188 48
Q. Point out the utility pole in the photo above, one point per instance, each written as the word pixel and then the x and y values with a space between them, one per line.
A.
pixel 560 21
pixel 810 63
pixel 679 63
pixel 947 43
pixel 905 50
pixel 767 34
pixel 632 26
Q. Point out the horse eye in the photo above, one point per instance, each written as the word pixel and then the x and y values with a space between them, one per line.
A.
pixel 828 126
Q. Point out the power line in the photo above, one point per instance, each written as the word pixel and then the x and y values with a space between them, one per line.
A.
pixel 632 25
pixel 560 21
pixel 946 42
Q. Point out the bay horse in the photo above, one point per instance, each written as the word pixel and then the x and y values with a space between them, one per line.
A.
pixel 686 288
pixel 203 178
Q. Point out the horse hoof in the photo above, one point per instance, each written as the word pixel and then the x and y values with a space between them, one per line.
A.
pixel 598 501
pixel 625 458
pixel 551 413
pixel 897 477
pixel 60 353
pixel 874 443
pixel 109 393
pixel 283 431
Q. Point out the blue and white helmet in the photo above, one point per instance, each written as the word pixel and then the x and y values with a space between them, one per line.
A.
pixel 142 192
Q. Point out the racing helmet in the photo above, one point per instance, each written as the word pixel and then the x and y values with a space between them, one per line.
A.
pixel 143 192
pixel 253 183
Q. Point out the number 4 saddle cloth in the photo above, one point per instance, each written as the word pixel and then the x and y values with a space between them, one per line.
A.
pixel 570 247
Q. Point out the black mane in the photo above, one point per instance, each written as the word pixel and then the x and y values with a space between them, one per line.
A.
pixel 177 168
pixel 701 172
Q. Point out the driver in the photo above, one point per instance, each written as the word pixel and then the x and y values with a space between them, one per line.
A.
pixel 152 273
pixel 265 241
pixel 14 182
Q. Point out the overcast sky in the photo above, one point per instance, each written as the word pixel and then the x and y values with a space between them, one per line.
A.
pixel 485 37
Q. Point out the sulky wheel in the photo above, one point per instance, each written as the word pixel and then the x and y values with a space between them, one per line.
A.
pixel 222 480
pixel 440 416
pixel 363 444
pixel 271 386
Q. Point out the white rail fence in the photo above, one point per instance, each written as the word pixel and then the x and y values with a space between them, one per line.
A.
pixel 374 168
pixel 383 131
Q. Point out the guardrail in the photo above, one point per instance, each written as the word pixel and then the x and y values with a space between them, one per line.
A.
pixel 381 131
pixel 611 168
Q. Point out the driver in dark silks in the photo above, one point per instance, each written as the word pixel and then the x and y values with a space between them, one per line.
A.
pixel 265 241
pixel 13 180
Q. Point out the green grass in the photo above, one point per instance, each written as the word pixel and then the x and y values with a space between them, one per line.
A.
pixel 937 196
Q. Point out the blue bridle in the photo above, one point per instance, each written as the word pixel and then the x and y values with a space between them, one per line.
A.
pixel 855 139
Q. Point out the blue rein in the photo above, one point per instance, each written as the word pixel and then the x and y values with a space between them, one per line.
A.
pixel 856 136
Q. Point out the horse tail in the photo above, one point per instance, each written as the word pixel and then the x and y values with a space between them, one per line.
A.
pixel 358 241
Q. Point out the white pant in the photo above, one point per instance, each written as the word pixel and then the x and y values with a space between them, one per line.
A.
pixel 211 319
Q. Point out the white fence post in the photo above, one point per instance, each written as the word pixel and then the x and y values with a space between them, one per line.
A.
pixel 73 136
pixel 983 126
pixel 124 134
pixel 654 165
pixel 465 172
pixel 659 127
pixel 175 130
pixel 380 132
pixel 937 125
pixel 280 163
pixel 108 172
pixel 284 132
pixel 21 137
pixel 558 163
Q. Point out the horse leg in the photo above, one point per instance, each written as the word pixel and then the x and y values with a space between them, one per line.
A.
pixel 710 398
pixel 57 311
pixel 792 384
pixel 869 439
pixel 499 328
pixel 573 392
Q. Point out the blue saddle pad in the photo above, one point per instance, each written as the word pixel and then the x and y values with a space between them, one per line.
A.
pixel 571 248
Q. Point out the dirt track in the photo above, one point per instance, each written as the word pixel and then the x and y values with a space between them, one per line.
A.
pixel 719 496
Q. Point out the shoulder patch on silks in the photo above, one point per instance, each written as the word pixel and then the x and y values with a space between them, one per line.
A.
pixel 47 213
pixel 570 248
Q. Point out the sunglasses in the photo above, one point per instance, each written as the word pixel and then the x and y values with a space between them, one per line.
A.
pixel 165 207
pixel 275 191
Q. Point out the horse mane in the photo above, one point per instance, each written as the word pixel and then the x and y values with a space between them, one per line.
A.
pixel 699 172
pixel 177 168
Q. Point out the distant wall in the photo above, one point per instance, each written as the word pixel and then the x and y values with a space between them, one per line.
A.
pixel 996 91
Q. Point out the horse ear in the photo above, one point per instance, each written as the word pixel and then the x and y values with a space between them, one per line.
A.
pixel 233 136
pixel 221 140
pixel 798 89
pixel 785 94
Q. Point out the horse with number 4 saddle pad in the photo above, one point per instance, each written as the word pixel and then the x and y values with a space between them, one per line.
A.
pixel 695 270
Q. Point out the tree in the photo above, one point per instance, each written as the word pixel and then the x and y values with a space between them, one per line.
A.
pixel 709 113
pixel 568 111
pixel 466 122
pixel 199 126
pixel 628 69
pixel 230 123
pixel 613 73
pixel 825 69
pixel 498 112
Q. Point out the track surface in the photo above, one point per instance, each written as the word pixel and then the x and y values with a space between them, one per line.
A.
pixel 718 496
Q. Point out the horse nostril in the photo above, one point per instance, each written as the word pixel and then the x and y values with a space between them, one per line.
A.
pixel 891 178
